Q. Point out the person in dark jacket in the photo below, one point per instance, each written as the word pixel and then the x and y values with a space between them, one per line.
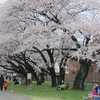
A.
pixel 1 82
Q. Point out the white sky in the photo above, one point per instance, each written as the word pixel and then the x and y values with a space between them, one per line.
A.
pixel 2 1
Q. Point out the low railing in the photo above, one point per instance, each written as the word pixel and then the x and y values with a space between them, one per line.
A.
pixel 91 78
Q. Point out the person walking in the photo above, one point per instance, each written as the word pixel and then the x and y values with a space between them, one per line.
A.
pixel 1 82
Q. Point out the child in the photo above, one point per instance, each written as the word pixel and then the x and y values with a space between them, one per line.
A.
pixel 5 85
pixel 67 86
pixel 95 90
pixel 63 86
pixel 29 84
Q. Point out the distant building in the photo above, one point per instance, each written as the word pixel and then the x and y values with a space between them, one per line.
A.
pixel 73 67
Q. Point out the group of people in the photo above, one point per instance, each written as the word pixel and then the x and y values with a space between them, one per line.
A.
pixel 95 93
pixel 63 86
pixel 3 84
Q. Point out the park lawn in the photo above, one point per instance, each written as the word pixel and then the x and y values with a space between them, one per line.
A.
pixel 46 92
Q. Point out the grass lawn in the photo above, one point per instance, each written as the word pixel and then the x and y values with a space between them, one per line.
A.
pixel 46 92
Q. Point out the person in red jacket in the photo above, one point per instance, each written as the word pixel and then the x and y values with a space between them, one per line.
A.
pixel 5 85
pixel 67 86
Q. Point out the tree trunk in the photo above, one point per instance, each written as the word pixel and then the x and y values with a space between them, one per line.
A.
pixel 82 74
pixel 62 75
pixel 54 82
pixel 42 76
pixel 36 77
pixel 38 82
pixel 53 77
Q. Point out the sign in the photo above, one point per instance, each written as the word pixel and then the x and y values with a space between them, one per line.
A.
pixel 29 76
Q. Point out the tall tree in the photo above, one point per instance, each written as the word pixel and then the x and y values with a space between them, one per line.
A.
pixel 59 24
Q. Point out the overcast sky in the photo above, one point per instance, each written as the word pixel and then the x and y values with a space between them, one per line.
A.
pixel 2 1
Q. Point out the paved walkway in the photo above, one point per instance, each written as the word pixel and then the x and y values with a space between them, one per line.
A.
pixel 8 95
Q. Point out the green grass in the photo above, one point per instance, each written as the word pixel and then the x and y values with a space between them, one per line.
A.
pixel 46 92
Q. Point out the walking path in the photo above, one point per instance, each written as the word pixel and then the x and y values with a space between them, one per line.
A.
pixel 8 95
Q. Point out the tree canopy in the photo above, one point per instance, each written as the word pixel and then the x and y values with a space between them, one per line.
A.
pixel 49 30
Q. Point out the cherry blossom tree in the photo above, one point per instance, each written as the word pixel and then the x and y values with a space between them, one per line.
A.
pixel 54 29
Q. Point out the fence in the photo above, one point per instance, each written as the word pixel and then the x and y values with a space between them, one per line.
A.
pixel 91 78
